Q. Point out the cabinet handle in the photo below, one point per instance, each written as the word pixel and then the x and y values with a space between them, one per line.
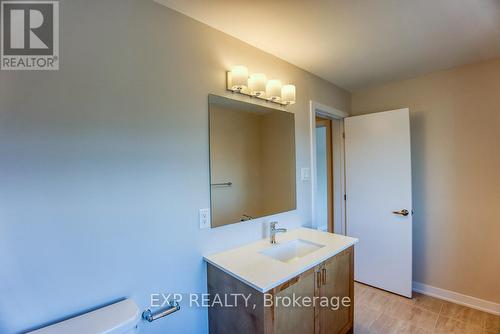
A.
pixel 323 276
pixel 318 279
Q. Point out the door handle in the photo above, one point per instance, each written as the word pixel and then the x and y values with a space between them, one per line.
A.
pixel 323 276
pixel 403 212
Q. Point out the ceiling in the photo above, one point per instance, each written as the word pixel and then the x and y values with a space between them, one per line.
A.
pixel 359 43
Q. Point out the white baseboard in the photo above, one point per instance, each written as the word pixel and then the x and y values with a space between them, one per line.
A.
pixel 457 298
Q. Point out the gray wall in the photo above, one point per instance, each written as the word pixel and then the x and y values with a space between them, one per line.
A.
pixel 104 163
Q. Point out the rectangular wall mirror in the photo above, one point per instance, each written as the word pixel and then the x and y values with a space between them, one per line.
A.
pixel 252 161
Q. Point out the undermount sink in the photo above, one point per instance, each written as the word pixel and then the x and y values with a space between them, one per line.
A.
pixel 291 250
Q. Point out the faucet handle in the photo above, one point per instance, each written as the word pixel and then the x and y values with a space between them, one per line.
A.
pixel 272 225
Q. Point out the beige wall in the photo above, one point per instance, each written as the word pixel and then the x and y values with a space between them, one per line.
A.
pixel 455 124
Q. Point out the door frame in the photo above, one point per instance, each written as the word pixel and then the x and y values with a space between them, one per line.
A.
pixel 318 109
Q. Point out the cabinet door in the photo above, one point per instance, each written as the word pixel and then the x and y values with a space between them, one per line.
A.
pixel 291 319
pixel 337 282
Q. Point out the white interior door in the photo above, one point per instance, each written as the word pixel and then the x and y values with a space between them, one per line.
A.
pixel 379 204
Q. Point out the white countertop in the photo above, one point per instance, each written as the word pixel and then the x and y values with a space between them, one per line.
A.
pixel 263 272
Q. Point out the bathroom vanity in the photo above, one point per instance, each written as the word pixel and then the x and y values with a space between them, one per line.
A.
pixel 302 284
pixel 295 282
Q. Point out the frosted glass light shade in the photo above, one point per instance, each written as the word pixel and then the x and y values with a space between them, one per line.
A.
pixel 273 90
pixel 257 84
pixel 239 77
pixel 288 94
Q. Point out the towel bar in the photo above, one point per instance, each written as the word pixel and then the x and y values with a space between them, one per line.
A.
pixel 226 184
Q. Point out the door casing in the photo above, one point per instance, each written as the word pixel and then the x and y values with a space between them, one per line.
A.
pixel 318 109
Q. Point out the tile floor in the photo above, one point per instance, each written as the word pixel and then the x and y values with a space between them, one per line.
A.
pixel 380 312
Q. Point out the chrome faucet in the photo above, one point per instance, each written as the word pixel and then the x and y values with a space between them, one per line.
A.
pixel 275 230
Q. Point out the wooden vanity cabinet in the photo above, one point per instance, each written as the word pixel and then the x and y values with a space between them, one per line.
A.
pixel 334 278
pixel 337 276
pixel 295 319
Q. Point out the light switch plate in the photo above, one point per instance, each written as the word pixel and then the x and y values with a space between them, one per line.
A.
pixel 305 174
pixel 205 218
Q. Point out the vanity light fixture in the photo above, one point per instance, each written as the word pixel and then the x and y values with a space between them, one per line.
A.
pixel 239 78
pixel 273 90
pixel 257 85
pixel 288 94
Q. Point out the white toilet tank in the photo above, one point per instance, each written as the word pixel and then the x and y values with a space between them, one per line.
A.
pixel 117 318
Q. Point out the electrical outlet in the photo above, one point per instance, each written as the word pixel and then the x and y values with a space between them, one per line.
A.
pixel 205 218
